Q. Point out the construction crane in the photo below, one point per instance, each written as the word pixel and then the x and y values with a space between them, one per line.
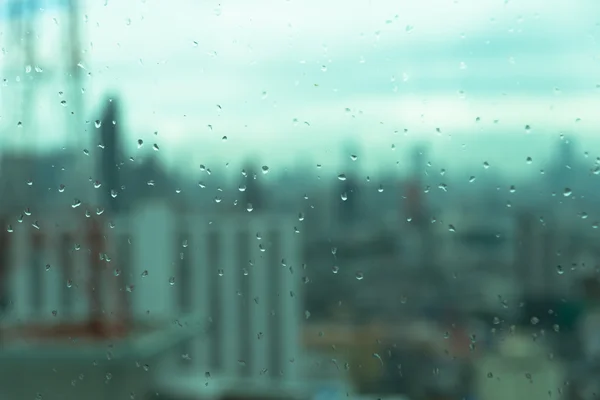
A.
pixel 29 79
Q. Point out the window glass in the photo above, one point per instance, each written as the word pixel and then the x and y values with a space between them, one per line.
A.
pixel 299 199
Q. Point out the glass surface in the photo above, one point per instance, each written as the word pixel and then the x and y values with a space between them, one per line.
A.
pixel 299 199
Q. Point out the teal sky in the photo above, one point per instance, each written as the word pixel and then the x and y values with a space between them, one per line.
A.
pixel 294 78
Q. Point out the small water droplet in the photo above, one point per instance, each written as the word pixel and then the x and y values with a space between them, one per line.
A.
pixel 560 270
pixel 359 276
pixel 98 123
pixel 486 165
pixel 265 169
pixel 567 192
pixel 172 281
pixel 140 143
pixel 335 269
pixel 342 177
pixel 155 147
pixel 528 160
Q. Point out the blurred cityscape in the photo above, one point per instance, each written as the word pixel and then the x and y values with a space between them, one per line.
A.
pixel 123 277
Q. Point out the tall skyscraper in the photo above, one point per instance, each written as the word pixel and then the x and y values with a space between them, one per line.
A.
pixel 110 156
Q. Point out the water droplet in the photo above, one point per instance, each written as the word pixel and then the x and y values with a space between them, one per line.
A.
pixel 359 276
pixel 97 184
pixel 527 129
pixel 344 196
pixel 172 280
pixel 69 283
pixel 380 189
pixel 63 103
pixel 265 169
pixel 61 188
pixel 512 189
pixel 140 143
pixel 486 165
pixel 48 267
pixel 353 157
pixel 98 123
pixel 560 270
pixel 528 160
pixel 155 147
pixel 145 273
pixel 567 192
pixel 76 203
pixel 471 179
pixel 451 228
pixel 220 272
pixel 301 217
pixel 335 269
pixel 342 177
pixel 249 207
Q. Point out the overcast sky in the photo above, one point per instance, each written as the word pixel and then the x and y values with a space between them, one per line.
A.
pixel 288 79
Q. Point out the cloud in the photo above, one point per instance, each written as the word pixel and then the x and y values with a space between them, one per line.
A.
pixel 398 61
